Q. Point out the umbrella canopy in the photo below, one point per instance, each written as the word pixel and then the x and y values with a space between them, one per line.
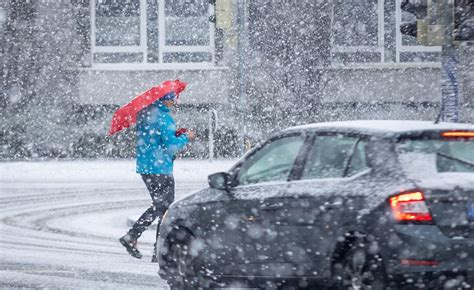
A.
pixel 126 116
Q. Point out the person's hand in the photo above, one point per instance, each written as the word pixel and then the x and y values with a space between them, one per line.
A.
pixel 191 135
pixel 180 131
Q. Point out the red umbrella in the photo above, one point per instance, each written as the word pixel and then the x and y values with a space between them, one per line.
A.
pixel 126 116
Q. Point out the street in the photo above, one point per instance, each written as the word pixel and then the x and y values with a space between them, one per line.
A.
pixel 60 221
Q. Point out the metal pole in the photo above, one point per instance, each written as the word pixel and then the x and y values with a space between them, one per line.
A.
pixel 242 73
pixel 449 69
pixel 212 130
pixel 211 138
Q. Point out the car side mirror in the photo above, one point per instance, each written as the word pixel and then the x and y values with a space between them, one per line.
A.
pixel 220 180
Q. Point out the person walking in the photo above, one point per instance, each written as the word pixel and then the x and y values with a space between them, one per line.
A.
pixel 157 143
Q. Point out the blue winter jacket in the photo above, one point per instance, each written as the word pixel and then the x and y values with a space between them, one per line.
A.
pixel 156 140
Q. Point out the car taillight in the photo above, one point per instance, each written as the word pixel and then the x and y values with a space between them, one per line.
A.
pixel 458 134
pixel 413 262
pixel 410 206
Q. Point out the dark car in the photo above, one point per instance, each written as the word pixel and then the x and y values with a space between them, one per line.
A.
pixel 356 204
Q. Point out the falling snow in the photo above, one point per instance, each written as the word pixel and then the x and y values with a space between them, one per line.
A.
pixel 252 68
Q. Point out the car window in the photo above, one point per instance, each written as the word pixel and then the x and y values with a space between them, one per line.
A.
pixel 358 160
pixel 420 156
pixel 335 156
pixel 272 162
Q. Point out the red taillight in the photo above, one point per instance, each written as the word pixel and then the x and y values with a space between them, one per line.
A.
pixel 458 134
pixel 410 206
pixel 412 262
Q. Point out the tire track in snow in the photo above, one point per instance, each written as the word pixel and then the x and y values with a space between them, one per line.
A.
pixel 26 229
pixel 119 278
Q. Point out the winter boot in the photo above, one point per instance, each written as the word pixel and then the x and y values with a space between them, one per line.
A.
pixel 131 245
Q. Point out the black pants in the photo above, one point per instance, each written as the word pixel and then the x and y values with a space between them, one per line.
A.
pixel 161 188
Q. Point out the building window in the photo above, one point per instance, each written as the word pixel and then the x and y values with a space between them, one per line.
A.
pixel 365 31
pixel 357 31
pixel 151 32
pixel 355 23
pixel 187 22
pixel 117 23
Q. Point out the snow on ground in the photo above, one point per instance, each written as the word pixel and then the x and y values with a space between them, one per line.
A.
pixel 102 171
pixel 60 221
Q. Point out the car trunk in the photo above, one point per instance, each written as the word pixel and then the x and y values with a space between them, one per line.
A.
pixel 442 166
pixel 452 211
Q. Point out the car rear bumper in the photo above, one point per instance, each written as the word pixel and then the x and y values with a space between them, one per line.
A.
pixel 425 249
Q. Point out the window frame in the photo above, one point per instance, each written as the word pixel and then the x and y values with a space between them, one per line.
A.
pixel 390 46
pixel 118 48
pixel 143 47
pixel 379 48
pixel 359 137
pixel 164 48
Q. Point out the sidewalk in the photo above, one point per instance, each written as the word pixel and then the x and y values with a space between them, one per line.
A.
pixel 101 171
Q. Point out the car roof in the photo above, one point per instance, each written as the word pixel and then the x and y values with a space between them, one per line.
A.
pixel 385 128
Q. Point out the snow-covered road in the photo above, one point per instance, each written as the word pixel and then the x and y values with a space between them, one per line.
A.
pixel 60 221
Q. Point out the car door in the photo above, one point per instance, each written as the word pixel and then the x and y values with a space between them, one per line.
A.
pixel 247 232
pixel 319 203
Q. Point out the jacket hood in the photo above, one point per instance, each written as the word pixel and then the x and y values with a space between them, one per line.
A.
pixel 159 104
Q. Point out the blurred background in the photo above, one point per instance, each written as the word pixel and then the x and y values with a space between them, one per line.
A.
pixel 252 68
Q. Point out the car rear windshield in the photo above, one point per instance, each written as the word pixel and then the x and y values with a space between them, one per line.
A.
pixel 436 155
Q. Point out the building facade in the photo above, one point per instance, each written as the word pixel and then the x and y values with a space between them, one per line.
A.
pixel 350 61
pixel 253 67
pixel 365 59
